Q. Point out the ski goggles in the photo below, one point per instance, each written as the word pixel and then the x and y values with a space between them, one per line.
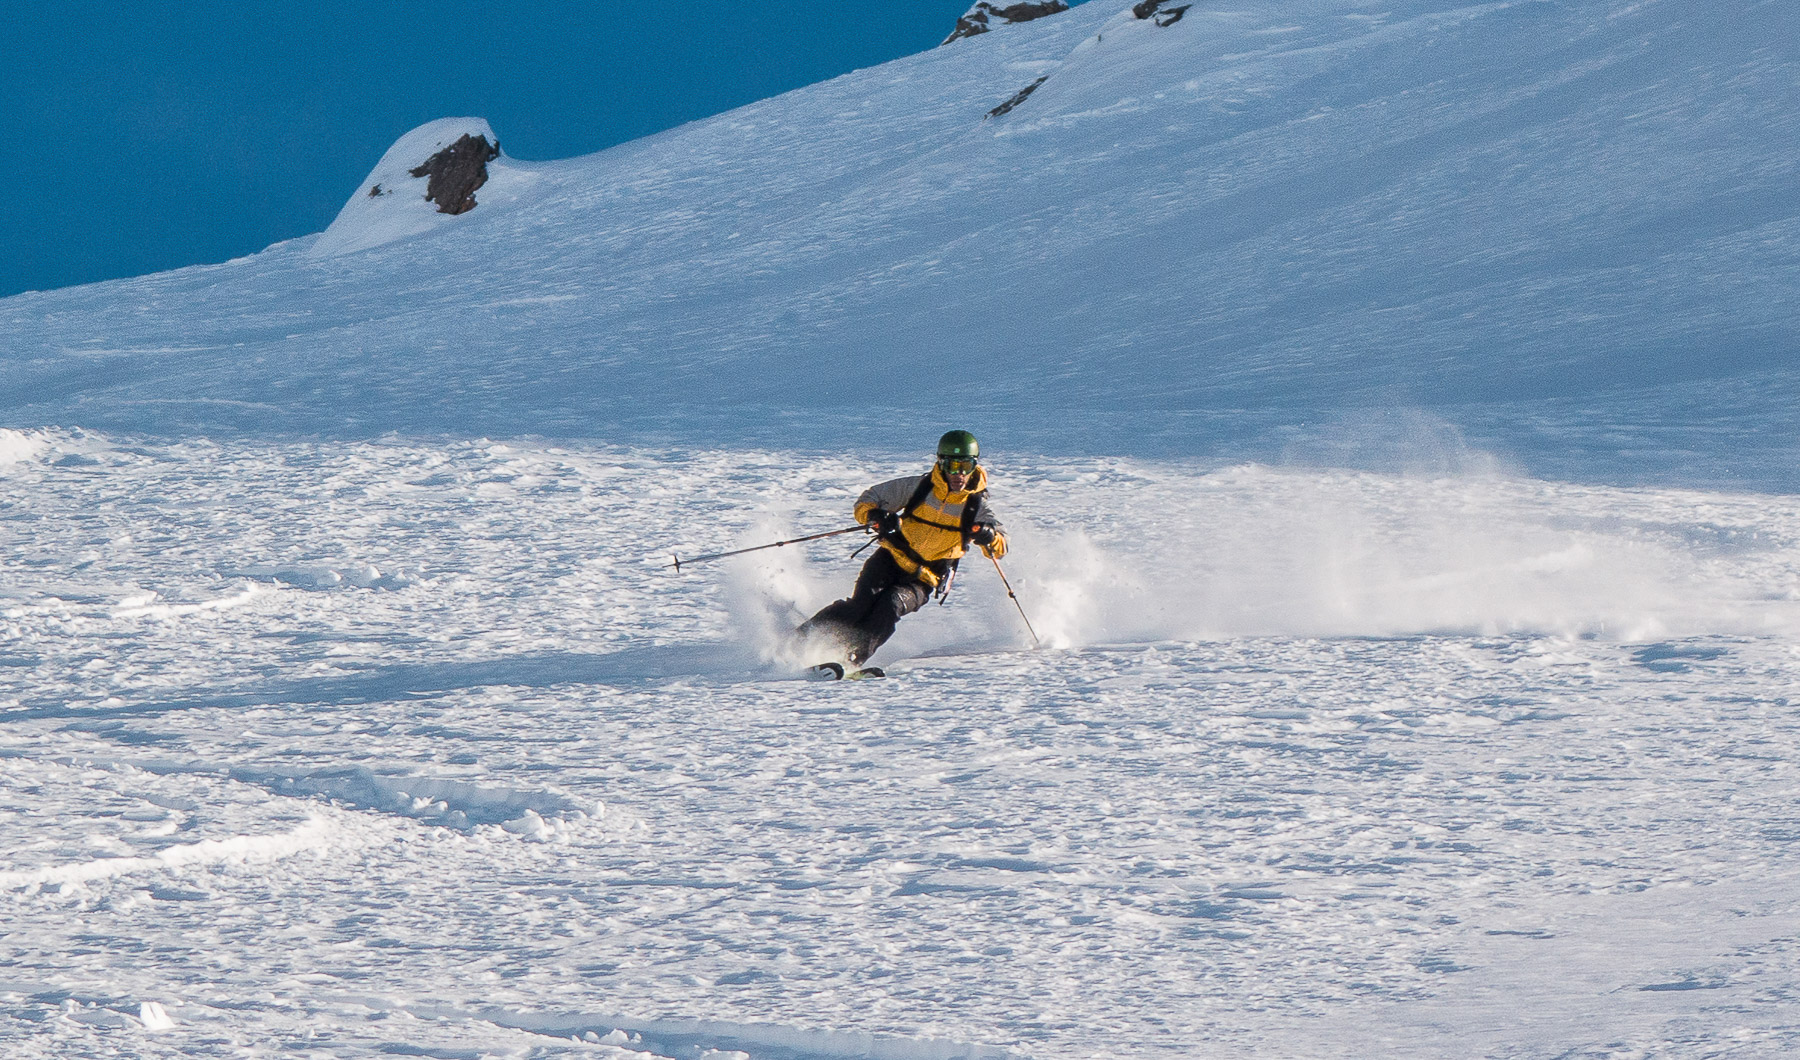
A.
pixel 957 465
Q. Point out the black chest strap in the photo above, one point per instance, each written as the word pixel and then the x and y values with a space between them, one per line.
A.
pixel 919 493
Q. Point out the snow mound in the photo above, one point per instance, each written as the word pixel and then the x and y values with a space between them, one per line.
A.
pixel 154 1017
pixel 390 203
pixel 17 447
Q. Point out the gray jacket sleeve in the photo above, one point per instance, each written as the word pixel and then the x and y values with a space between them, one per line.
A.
pixel 987 514
pixel 892 495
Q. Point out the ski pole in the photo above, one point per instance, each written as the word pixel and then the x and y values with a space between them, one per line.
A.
pixel 1015 599
pixel 758 548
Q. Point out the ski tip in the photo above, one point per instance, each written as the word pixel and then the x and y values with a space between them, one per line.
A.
pixel 677 560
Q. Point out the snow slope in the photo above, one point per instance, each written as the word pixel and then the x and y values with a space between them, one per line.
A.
pixel 1566 229
pixel 1391 405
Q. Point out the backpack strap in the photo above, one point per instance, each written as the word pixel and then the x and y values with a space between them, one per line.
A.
pixel 919 493
pixel 970 513
pixel 898 541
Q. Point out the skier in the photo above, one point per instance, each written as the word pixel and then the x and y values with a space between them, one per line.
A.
pixel 925 523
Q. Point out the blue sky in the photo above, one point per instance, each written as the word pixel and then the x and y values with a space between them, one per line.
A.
pixel 150 136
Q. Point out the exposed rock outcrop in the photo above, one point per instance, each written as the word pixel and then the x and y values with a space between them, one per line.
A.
pixel 984 16
pixel 1165 12
pixel 455 173
pixel 1019 97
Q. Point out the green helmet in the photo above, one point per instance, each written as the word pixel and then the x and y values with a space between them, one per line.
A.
pixel 958 443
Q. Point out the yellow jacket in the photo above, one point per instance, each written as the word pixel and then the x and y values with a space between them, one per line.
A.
pixel 933 530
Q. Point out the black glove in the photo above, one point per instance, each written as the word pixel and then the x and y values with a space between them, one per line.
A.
pixel 983 535
pixel 886 524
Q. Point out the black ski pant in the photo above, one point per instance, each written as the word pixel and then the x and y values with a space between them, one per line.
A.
pixel 884 594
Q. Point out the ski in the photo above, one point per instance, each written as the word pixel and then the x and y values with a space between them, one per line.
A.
pixel 835 672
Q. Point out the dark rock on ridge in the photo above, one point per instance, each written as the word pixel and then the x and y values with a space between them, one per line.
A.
pixel 1163 11
pixel 977 18
pixel 457 172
